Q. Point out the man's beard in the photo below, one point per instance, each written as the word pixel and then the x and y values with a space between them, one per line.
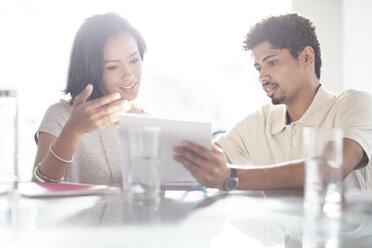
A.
pixel 274 100
pixel 277 101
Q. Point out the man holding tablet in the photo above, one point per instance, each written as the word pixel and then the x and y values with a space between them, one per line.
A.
pixel 266 144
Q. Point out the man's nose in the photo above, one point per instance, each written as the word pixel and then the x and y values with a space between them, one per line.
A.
pixel 264 77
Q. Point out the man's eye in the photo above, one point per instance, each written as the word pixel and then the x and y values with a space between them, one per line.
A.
pixel 258 69
pixel 113 67
pixel 272 62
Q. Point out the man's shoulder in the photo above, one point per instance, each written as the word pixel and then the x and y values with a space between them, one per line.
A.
pixel 353 94
pixel 352 97
pixel 266 113
pixel 271 108
pixel 269 111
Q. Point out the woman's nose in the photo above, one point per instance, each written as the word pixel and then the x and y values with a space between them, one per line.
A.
pixel 126 72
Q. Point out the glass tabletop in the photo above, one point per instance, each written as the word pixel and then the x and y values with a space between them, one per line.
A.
pixel 182 219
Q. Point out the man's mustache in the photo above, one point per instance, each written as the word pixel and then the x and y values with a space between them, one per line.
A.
pixel 270 83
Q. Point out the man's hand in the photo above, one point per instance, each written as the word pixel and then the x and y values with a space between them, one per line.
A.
pixel 207 166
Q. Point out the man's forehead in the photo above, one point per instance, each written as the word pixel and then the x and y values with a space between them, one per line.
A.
pixel 262 50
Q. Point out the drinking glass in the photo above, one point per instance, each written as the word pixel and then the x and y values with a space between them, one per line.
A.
pixel 323 171
pixel 8 140
pixel 144 165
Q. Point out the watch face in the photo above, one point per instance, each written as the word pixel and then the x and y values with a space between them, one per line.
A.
pixel 231 183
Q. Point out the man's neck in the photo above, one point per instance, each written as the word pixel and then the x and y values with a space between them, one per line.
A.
pixel 296 109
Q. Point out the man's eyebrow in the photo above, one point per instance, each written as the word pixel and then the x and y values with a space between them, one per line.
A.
pixel 266 58
pixel 116 60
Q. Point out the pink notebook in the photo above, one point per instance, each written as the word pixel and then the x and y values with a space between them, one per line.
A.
pixel 47 189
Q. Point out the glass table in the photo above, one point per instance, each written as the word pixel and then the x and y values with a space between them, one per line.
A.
pixel 208 218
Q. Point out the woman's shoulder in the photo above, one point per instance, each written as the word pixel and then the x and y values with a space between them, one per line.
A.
pixel 62 105
pixel 54 119
pixel 61 108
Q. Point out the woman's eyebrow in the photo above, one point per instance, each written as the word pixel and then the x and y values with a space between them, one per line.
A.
pixel 116 60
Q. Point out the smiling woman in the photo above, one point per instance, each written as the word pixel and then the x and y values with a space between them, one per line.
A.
pixel 122 66
pixel 78 140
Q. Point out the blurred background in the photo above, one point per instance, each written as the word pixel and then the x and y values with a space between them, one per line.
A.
pixel 195 67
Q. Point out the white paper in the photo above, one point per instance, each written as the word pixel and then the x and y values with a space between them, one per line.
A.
pixel 173 132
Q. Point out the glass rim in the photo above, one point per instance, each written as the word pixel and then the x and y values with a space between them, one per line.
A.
pixel 8 93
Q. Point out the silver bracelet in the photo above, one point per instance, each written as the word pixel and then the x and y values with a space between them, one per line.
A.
pixel 37 176
pixel 58 157
pixel 42 178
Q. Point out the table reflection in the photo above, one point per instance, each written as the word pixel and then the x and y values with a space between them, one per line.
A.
pixel 183 219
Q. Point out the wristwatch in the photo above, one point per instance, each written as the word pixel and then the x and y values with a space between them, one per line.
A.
pixel 233 181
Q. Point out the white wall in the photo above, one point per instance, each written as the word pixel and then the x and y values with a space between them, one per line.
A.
pixel 195 67
pixel 357 44
pixel 327 17
pixel 344 29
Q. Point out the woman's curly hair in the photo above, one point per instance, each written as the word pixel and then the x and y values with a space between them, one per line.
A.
pixel 290 31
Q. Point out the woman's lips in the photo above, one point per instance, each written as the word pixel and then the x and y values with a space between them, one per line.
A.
pixel 130 88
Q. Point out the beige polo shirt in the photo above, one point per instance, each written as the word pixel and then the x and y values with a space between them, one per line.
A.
pixel 263 138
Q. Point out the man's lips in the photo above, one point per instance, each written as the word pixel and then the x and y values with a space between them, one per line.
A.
pixel 270 88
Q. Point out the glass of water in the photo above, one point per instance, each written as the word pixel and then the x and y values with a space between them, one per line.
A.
pixel 144 165
pixel 8 140
pixel 323 171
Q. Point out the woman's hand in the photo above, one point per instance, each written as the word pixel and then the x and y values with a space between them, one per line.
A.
pixel 134 109
pixel 207 166
pixel 88 116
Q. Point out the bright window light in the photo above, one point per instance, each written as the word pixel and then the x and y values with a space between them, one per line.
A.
pixel 195 68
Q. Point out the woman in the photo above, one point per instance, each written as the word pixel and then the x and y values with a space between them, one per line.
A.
pixel 78 140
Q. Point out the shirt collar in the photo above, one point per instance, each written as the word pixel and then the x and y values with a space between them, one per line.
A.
pixel 312 116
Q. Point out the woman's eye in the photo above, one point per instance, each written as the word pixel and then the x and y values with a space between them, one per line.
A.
pixel 113 67
pixel 133 61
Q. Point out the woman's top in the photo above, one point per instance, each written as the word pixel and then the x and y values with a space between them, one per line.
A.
pixel 97 159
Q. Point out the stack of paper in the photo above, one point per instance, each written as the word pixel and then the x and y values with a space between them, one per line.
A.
pixel 48 189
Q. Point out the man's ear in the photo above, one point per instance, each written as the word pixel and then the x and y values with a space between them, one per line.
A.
pixel 308 55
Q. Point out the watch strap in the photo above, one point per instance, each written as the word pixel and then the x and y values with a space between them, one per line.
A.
pixel 233 181
pixel 233 173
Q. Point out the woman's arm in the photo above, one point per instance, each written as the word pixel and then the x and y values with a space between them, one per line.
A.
pixel 86 116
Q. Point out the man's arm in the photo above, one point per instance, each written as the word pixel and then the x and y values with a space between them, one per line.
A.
pixel 210 169
pixel 227 160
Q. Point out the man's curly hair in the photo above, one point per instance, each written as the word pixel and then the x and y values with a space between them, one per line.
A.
pixel 290 31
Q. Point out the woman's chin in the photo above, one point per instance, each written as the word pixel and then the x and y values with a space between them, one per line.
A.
pixel 129 97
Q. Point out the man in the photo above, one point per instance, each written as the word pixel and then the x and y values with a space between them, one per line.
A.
pixel 286 55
